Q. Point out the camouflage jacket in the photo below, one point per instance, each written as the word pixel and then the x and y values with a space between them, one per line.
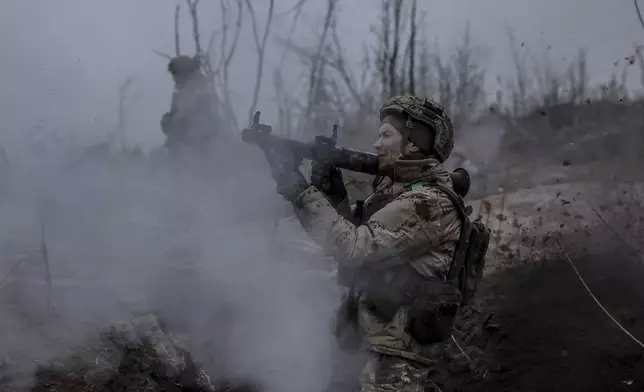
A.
pixel 401 226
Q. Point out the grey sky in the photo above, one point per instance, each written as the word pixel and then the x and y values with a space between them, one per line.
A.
pixel 63 60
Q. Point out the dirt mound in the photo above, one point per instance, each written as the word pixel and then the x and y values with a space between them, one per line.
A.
pixel 132 356
pixel 138 355
pixel 542 331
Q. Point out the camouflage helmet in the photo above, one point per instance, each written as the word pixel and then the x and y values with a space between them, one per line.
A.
pixel 184 65
pixel 427 113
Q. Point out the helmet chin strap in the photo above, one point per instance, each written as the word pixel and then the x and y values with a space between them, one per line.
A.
pixel 414 156
pixel 409 156
pixel 409 124
pixel 406 132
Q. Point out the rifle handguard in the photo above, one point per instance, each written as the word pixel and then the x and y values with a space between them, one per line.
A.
pixel 320 150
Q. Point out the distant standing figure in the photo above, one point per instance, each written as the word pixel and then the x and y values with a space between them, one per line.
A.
pixel 190 121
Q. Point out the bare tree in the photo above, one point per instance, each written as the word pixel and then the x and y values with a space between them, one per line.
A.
pixel 445 77
pixel 297 8
pixel 382 57
pixel 338 62
pixel 226 57
pixel 261 50
pixel 177 36
pixel 331 88
pixel 44 250
pixel 640 62
pixel 549 80
pixel 398 62
pixel 122 126
pixel 388 36
pixel 330 82
pixel 469 92
pixel 426 75
pixel 316 91
pixel 177 44
pixel 192 6
pixel 639 13
pixel 577 79
pixel 286 105
pixel 205 59
pixel 411 49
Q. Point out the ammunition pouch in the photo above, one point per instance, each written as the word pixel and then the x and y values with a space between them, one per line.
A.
pixel 385 292
pixel 431 316
pixel 431 304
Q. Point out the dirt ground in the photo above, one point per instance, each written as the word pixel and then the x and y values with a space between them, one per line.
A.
pixel 552 336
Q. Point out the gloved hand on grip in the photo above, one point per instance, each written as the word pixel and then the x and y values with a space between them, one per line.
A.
pixel 290 181
pixel 328 179
pixel 290 184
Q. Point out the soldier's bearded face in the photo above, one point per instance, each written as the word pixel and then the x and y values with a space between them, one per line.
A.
pixel 388 146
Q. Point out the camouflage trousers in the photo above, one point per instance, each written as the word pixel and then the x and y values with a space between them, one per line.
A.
pixel 384 373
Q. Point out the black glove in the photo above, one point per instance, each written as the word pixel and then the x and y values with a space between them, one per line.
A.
pixel 328 179
pixel 290 184
pixel 290 181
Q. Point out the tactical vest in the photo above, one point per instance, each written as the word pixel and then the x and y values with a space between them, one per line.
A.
pixel 432 303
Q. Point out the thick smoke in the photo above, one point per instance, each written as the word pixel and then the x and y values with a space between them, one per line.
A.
pixel 191 240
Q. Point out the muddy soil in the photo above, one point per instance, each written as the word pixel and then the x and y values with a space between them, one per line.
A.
pixel 552 336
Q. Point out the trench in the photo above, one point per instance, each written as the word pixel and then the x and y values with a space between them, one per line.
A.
pixel 552 336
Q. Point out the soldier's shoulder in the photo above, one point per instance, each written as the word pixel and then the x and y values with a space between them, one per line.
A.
pixel 430 200
pixel 424 193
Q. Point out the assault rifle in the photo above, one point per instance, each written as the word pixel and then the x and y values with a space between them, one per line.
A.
pixel 325 149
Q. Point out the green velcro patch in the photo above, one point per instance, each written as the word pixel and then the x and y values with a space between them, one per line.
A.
pixel 417 185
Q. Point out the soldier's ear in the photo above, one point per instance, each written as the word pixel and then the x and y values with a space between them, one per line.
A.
pixel 411 148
